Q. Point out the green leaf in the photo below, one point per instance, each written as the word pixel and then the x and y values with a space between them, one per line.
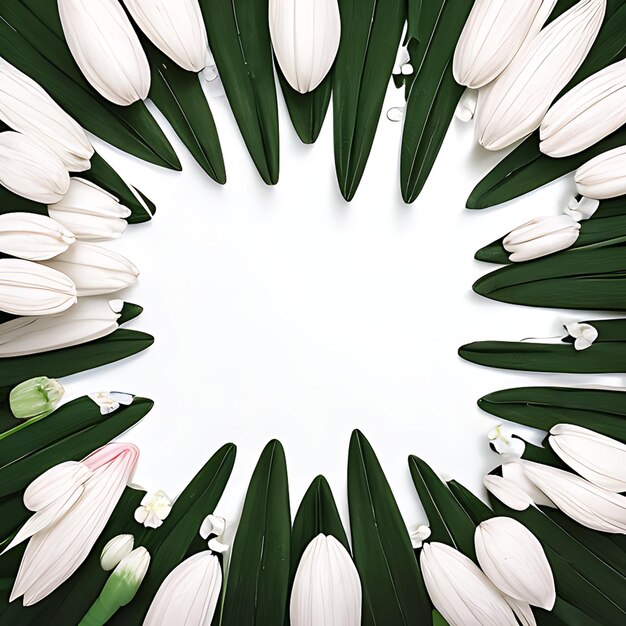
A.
pixel 58 363
pixel 526 168
pixel 587 278
pixel 179 96
pixel 433 96
pixel 370 35
pixel 307 110
pixel 240 42
pixel 169 543
pixel 543 407
pixel 258 576
pixel 393 588
pixel 28 41
pixel 477 510
pixel 448 522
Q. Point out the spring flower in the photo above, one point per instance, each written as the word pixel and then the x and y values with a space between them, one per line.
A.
pixel 176 28
pixel 215 528
pixel 190 593
pixel 598 458
pixel 604 176
pixel 33 237
pixel 115 550
pixel 119 589
pixel 519 487
pixel 507 492
pixel 541 236
pixel 90 212
pixel 29 168
pixel 35 398
pixel 460 591
pixel 28 109
pixel 95 270
pixel 584 334
pixel 110 401
pixel 89 319
pixel 492 36
pixel 513 106
pixel 153 509
pixel 504 443
pixel 72 502
pixel 326 587
pixel 28 288
pixel 513 559
pixel 106 48
pixel 305 36
pixel 589 112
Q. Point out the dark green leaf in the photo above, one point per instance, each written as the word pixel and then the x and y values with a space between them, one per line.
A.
pixel 433 96
pixel 370 35
pixel 477 510
pixel 393 588
pixel 258 576
pixel 240 42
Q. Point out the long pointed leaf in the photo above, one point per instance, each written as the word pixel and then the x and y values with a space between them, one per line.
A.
pixel 393 588
pixel 258 576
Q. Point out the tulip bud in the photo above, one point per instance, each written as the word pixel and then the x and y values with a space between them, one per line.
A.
pixel 541 236
pixel 90 212
pixel 29 168
pixel 598 458
pixel 28 288
pixel 95 270
pixel 326 587
pixel 305 36
pixel 27 108
pixel 33 237
pixel 492 36
pixel 88 320
pixel 513 105
pixel 175 28
pixel 460 591
pixel 106 48
pixel 603 177
pixel 115 550
pixel 588 113
pixel 35 398
pixel 513 559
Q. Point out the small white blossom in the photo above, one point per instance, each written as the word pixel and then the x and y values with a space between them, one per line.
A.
pixel 153 509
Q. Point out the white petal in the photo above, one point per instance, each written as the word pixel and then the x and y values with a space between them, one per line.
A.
pixel 29 168
pixel 507 492
pixel 106 48
pixel 598 458
pixel 516 473
pixel 581 209
pixel 55 483
pixel 305 36
pixel 604 176
pixel 115 550
pixel 176 28
pixel 33 237
pixel 189 595
pixel 95 270
pixel 28 288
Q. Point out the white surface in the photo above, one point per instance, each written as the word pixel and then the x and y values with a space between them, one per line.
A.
pixel 285 312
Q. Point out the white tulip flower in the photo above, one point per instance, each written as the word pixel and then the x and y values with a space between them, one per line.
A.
pixel 29 168
pixel 493 34
pixel 176 27
pixel 305 36
pixel 604 176
pixel 586 114
pixel 513 559
pixel 28 288
pixel 88 320
pixel 90 212
pixel 326 587
pixel 115 550
pixel 540 237
pixel 598 458
pixel 190 593
pixel 95 270
pixel 106 48
pixel 460 591
pixel 33 237
pixel 27 108
pixel 513 106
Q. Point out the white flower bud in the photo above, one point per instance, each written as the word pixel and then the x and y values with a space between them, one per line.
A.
pixel 115 550
pixel 604 176
pixel 33 237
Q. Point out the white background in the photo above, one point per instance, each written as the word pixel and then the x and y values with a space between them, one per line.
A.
pixel 286 312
